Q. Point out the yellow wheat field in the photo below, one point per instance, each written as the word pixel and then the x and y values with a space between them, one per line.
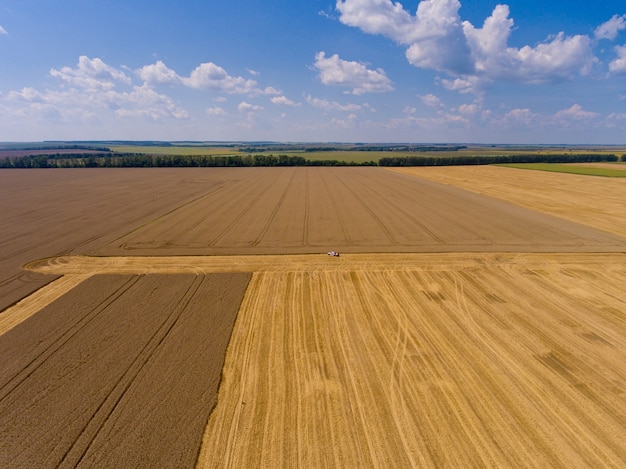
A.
pixel 512 362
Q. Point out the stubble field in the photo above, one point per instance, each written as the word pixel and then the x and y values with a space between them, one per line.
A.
pixel 456 329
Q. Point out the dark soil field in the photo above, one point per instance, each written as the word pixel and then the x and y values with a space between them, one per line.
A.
pixel 121 372
pixel 257 211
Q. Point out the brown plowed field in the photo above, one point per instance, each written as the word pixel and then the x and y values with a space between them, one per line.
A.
pixel 304 210
pixel 122 371
pixel 455 330
pixel 269 210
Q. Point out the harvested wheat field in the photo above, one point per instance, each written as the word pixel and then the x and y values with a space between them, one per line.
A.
pixel 592 201
pixel 457 329
pixel 414 360
pixel 452 363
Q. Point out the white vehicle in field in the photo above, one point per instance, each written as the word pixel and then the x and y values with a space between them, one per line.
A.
pixel 333 253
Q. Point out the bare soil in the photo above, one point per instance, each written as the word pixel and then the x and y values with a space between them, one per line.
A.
pixel 122 371
pixel 51 212
pixel 305 210
pixel 218 211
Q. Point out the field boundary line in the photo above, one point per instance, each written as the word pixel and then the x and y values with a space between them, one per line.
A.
pixel 30 305
pixel 136 265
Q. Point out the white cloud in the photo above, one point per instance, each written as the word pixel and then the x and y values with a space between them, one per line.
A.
pixel 91 74
pixel 576 112
pixel 94 94
pixel 615 118
pixel 158 73
pixel 79 104
pixel 215 111
pixel 463 85
pixel 611 28
pixel 247 107
pixel 437 39
pixel 3 31
pixel 333 105
pixel 520 116
pixel 283 101
pixel 26 94
pixel 355 75
pixel 147 103
pixel 619 65
pixel 431 100
pixel 213 77
pixel 469 109
pixel 558 58
pixel 205 76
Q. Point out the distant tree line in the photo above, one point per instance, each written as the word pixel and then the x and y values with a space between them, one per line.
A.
pixel 142 160
pixel 395 148
pixel 494 159
pixel 51 147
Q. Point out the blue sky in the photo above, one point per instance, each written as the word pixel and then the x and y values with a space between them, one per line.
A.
pixel 524 71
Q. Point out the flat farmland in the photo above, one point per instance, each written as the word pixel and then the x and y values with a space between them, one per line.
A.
pixel 305 210
pixel 592 201
pixel 123 371
pixel 413 360
pixel 451 362
pixel 54 212
pixel 459 327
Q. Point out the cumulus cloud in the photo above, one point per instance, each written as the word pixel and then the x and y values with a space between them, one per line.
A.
pixel 97 90
pixel 208 76
pixel 619 64
pixel 464 85
pixel 333 105
pixel 145 102
pixel 213 77
pixel 158 73
pixel 431 100
pixel 354 75
pixel 558 58
pixel 437 39
pixel 77 103
pixel 576 113
pixel 611 28
pixel 247 107
pixel 91 74
pixel 520 116
pixel 468 109
pixel 215 111
pixel 283 101
pixel 270 90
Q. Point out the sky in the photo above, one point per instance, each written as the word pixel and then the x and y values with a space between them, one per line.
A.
pixel 431 71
